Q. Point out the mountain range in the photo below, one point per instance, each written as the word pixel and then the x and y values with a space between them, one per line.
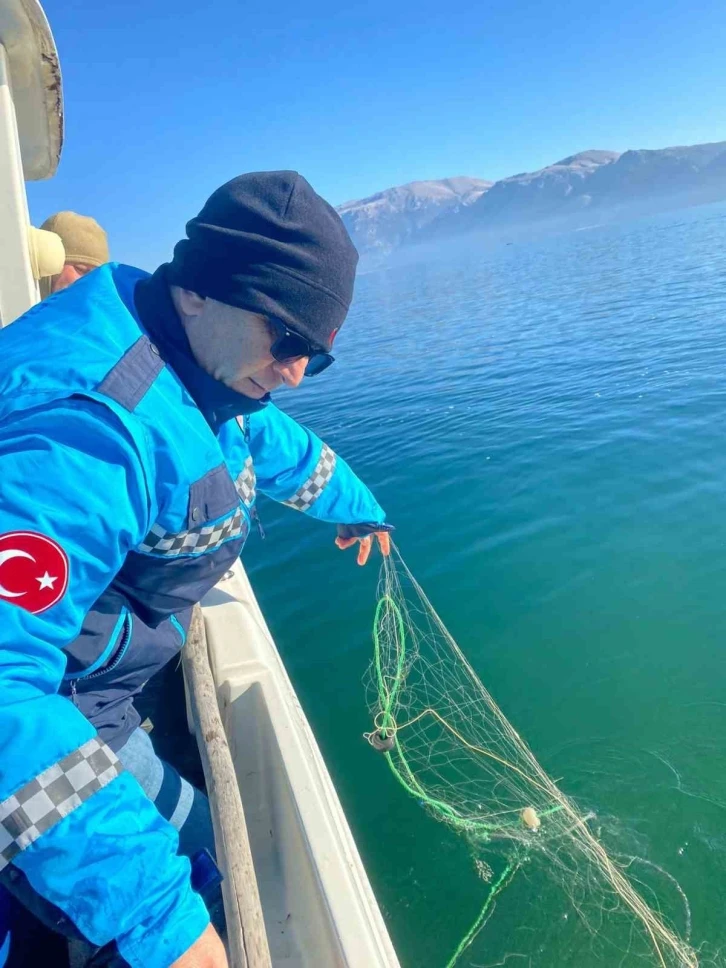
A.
pixel 587 187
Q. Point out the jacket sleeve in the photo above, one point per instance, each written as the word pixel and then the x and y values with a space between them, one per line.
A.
pixel 295 467
pixel 81 829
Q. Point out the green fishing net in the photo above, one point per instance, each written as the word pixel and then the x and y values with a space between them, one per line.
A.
pixel 451 748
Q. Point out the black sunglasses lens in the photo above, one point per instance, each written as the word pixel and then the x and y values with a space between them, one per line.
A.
pixel 318 363
pixel 290 347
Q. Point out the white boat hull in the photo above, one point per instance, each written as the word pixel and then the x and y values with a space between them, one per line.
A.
pixel 319 909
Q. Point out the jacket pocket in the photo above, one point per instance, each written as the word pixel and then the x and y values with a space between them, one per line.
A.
pixel 111 653
pixel 212 497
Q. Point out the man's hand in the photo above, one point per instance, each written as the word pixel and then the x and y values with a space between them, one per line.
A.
pixel 206 952
pixel 349 534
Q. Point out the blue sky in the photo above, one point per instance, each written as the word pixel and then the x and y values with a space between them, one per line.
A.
pixel 166 100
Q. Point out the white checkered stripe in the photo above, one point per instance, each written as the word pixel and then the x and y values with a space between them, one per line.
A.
pixel 307 495
pixel 246 483
pixel 53 794
pixel 207 537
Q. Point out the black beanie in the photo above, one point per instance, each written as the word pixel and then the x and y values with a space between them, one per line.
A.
pixel 266 242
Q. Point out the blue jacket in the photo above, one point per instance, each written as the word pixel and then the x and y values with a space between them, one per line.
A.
pixel 116 482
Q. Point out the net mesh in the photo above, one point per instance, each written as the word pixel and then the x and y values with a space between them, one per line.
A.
pixel 451 747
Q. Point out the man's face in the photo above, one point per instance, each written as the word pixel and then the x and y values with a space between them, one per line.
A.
pixel 233 346
pixel 69 275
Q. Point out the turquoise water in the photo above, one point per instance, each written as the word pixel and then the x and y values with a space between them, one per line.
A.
pixel 545 424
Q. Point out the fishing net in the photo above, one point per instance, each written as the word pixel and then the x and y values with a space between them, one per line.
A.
pixel 451 747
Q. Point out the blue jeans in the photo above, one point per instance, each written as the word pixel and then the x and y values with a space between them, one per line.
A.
pixel 185 807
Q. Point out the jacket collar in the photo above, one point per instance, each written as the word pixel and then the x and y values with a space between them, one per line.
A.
pixel 217 402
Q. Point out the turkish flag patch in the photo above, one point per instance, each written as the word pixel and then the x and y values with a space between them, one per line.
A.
pixel 33 570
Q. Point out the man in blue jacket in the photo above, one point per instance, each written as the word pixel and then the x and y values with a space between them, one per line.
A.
pixel 135 430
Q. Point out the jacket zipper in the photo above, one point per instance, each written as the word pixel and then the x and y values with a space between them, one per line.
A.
pixel 256 518
pixel 123 645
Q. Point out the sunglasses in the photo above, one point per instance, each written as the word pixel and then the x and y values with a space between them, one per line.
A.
pixel 289 346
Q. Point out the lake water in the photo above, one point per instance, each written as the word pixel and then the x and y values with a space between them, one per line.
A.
pixel 545 424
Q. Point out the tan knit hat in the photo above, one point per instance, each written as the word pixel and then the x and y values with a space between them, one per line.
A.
pixel 83 238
